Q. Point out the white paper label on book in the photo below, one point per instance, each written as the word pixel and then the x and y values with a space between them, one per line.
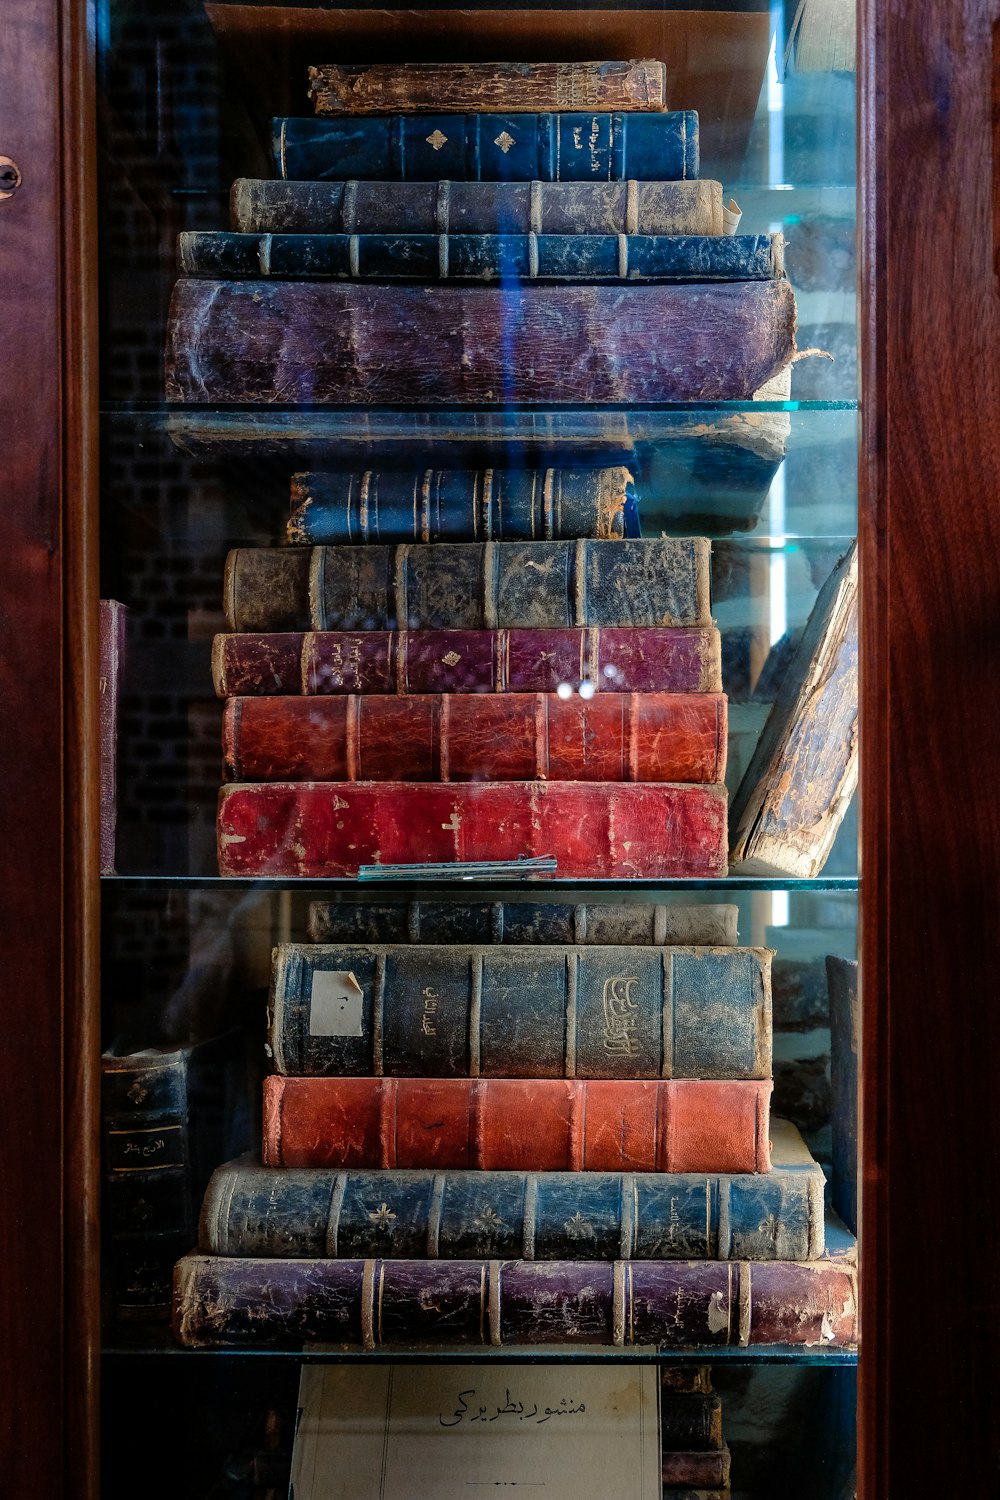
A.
pixel 335 1002
pixel 432 1432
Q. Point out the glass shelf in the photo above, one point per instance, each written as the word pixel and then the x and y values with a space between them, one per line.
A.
pixel 431 889
pixel 158 1345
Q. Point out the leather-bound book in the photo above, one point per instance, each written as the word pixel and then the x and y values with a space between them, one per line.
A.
pixel 375 88
pixel 518 1125
pixel 270 205
pixel 645 659
pixel 470 585
pixel 477 737
pixel 572 146
pixel 595 830
pixel 439 921
pixel 462 505
pixel 481 257
pixel 298 1212
pixel 525 1012
pixel 257 1303
pixel 372 343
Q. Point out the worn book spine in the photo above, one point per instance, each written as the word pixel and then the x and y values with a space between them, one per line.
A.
pixel 511 147
pixel 301 1212
pixel 477 737
pixel 691 1467
pixel 528 1012
pixel 623 660
pixel 368 343
pixel 147 1170
pixel 482 257
pixel 384 88
pixel 113 621
pixel 845 1047
pixel 250 1303
pixel 458 505
pixel 596 830
pixel 692 1420
pixel 522 922
pixel 470 585
pixel 269 206
pixel 517 1125
pixel 804 771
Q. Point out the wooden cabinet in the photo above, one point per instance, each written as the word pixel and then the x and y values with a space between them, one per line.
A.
pixel 83 415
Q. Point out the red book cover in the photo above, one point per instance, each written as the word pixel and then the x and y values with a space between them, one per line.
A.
pixel 473 737
pixel 517 1124
pixel 596 830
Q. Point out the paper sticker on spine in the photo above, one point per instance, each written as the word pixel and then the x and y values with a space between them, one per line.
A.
pixel 335 1004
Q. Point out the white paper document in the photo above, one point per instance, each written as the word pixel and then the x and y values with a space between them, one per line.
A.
pixel 458 1432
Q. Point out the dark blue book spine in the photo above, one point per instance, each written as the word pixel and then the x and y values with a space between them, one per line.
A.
pixel 648 146
pixel 531 1012
pixel 483 257
pixel 462 505
pixel 300 1212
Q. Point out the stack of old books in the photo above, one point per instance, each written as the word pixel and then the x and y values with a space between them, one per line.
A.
pixel 517 1124
pixel 576 192
pixel 493 1124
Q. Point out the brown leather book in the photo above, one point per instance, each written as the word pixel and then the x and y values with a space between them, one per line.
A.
pixel 508 87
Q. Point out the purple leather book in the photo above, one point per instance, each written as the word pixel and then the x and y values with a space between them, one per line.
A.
pixel 256 1303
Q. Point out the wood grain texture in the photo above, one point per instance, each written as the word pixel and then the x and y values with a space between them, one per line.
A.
pixel 48 650
pixel 384 88
pixel 930 540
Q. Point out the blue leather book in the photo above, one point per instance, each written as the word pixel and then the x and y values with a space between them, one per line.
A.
pixel 646 145
pixel 483 257
pixel 415 1010
pixel 301 1212
pixel 446 505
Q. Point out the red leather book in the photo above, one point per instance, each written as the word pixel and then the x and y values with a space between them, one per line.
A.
pixel 477 737
pixel 596 830
pixel 518 1124
pixel 623 659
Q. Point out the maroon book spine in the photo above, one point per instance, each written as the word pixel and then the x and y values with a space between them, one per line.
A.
pixel 518 1124
pixel 363 344
pixel 596 830
pixel 451 737
pixel 113 617
pixel 253 1303
pixel 613 660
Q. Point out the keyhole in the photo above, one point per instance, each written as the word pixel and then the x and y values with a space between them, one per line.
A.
pixel 10 177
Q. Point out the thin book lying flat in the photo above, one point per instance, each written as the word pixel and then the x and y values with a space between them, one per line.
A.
pixel 482 257
pixel 608 659
pixel 272 206
pixel 413 88
pixel 575 146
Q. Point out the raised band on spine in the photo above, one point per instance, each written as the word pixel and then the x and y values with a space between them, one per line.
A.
pixel 333 1216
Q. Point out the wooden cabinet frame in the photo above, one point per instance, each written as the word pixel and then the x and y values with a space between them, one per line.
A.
pixel 930 539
